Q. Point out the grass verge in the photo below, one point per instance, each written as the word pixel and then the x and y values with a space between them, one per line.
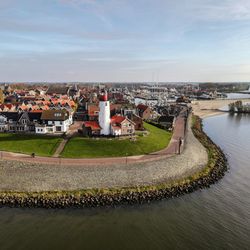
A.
pixel 27 143
pixel 79 147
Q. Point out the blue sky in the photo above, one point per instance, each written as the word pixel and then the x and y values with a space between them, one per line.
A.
pixel 125 40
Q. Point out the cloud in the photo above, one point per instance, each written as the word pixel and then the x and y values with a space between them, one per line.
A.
pixel 223 10
pixel 130 37
pixel 93 6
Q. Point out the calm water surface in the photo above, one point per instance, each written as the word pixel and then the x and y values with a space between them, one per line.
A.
pixel 237 95
pixel 215 218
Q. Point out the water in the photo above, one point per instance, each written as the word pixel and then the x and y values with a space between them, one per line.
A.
pixel 237 96
pixel 215 218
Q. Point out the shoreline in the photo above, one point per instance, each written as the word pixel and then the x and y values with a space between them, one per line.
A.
pixel 208 108
pixel 95 197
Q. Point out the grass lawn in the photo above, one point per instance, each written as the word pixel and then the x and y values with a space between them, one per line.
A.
pixel 24 143
pixel 80 147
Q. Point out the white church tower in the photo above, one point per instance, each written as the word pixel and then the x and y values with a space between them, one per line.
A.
pixel 104 114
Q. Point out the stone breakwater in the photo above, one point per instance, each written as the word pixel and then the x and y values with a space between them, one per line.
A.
pixel 215 170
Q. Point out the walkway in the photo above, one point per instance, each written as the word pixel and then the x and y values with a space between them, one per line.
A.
pixel 22 176
pixel 60 147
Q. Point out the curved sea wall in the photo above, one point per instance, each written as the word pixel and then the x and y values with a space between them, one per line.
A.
pixel 215 169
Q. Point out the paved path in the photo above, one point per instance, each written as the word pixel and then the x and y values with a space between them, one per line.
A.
pixel 22 176
pixel 60 147
pixel 172 149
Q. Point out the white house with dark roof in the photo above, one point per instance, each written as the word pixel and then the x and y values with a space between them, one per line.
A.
pixel 54 121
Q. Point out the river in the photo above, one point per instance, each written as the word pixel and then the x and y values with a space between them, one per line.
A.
pixel 214 218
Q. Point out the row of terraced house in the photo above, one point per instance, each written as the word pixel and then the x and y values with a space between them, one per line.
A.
pixel 45 122
pixel 34 111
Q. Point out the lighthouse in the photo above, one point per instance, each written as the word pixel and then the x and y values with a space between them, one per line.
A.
pixel 104 114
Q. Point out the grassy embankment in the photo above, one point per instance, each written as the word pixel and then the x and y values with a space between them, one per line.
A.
pixel 79 147
pixel 27 144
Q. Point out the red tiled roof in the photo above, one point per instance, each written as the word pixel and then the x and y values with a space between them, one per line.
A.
pixel 92 124
pixel 36 111
pixel 117 119
pixel 9 106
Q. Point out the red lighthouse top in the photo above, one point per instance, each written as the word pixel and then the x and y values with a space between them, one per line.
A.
pixel 103 97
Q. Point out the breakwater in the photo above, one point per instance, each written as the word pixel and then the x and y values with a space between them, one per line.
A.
pixel 215 169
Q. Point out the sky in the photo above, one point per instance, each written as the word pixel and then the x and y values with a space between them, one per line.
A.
pixel 125 40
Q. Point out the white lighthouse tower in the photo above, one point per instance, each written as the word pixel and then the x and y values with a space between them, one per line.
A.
pixel 104 114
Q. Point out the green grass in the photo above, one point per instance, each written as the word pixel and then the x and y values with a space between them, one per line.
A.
pixel 79 147
pixel 27 144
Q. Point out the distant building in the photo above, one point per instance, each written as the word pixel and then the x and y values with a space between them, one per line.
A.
pixel 145 101
pixel 144 111
pixel 57 90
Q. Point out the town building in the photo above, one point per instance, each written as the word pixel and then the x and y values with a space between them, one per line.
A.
pixel 18 121
pixel 54 121
pixel 121 125
pixel 144 111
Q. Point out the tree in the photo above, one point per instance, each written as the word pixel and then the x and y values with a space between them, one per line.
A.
pixel 239 106
pixel 231 107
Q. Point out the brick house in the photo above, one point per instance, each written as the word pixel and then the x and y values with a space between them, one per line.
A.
pixel 144 111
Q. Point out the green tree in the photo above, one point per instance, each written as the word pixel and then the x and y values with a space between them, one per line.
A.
pixel 231 107
pixel 239 106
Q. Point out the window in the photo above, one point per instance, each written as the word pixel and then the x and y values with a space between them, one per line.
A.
pixel 58 129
